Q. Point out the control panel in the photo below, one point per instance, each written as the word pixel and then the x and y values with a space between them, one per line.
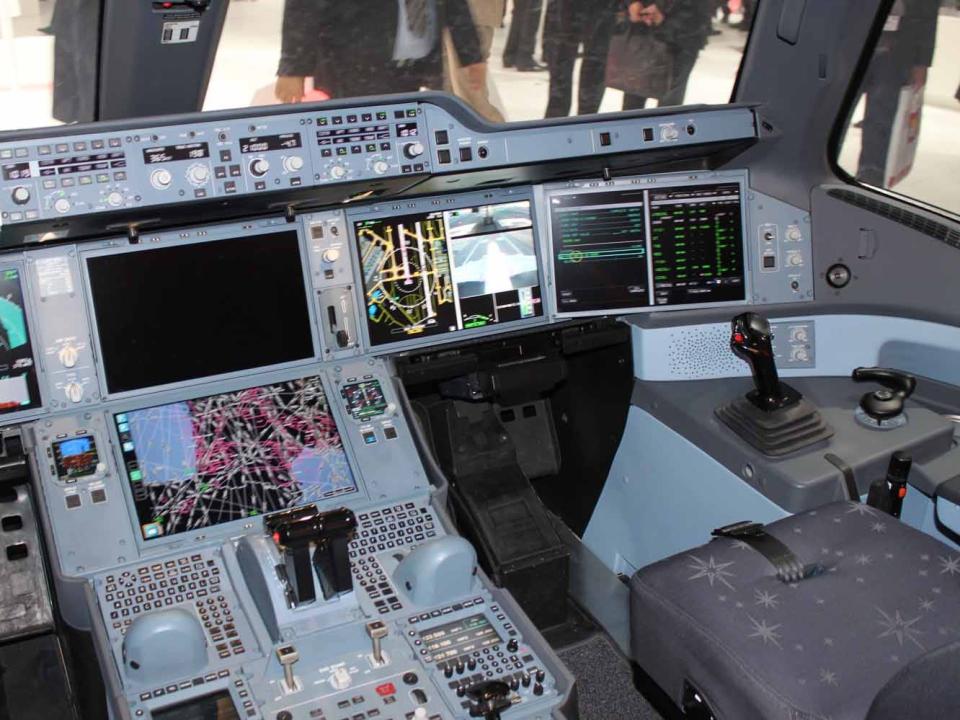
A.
pixel 121 170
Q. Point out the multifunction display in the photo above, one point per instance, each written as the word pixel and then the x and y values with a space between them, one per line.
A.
pixel 183 312
pixel 461 637
pixel 203 462
pixel 173 153
pixel 19 389
pixel 440 272
pixel 636 248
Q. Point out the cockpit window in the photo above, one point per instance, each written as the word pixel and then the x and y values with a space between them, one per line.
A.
pixel 511 60
pixel 901 134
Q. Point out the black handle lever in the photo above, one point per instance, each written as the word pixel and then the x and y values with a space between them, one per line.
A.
pixel 752 340
pixel 886 403
pixel 489 699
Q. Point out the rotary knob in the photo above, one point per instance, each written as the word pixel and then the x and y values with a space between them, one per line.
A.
pixel 794 234
pixel 73 391
pixel 293 164
pixel 259 167
pixel 413 149
pixel 114 199
pixel 68 356
pixel 380 166
pixel 161 179
pixel 338 172
pixel 198 174
pixel 61 205
pixel 331 255
pixel 21 195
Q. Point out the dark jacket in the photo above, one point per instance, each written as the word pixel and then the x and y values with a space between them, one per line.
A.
pixel 347 46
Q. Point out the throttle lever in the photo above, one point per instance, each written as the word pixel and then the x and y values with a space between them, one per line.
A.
pixel 489 699
pixel 888 402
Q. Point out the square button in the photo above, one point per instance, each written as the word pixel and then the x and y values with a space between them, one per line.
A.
pixel 389 432
pixel 443 137
pixel 226 156
pixel 605 139
pixel 443 156
pixel 466 153
pixel 648 134
pixel 73 501
pixel 97 144
pixel 98 495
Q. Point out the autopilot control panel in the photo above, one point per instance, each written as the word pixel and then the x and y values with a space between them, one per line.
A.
pixel 234 498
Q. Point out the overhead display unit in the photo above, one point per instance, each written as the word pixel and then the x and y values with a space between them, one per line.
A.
pixel 450 271
pixel 19 389
pixel 188 311
pixel 648 247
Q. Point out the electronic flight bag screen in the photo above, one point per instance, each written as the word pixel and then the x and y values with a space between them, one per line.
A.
pixel 203 462
pixel 441 272
pixel 635 248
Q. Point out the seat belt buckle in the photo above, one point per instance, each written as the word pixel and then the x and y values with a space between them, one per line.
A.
pixel 742 529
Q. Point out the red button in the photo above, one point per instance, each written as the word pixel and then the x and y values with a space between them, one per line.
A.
pixel 386 689
pixel 902 492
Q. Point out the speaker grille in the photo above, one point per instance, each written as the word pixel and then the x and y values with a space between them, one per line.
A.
pixel 702 352
pixel 909 219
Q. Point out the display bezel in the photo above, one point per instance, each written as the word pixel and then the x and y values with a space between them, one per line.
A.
pixel 240 525
pixel 443 204
pixel 195 236
pixel 648 182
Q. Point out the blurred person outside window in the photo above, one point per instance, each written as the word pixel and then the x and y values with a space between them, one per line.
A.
pixel 487 17
pixel 684 26
pixel 354 49
pixel 901 60
pixel 571 24
pixel 522 38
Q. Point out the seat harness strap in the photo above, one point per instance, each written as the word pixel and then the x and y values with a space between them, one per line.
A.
pixel 788 566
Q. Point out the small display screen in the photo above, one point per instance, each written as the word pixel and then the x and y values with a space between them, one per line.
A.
pixel 183 312
pixel 407 129
pixel 19 389
pixel 76 457
pixel 636 248
pixel 460 637
pixel 208 461
pixel 266 143
pixel 216 706
pixel 364 399
pixel 172 153
pixel 441 272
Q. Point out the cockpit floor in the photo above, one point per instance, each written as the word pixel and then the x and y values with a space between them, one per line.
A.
pixel 605 682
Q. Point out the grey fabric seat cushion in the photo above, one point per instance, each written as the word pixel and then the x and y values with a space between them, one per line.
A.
pixel 822 648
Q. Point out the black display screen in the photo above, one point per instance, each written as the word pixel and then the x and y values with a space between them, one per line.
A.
pixel 17 171
pixel 19 389
pixel 172 153
pixel 266 143
pixel 179 313
pixel 634 248
pixel 460 637
pixel 600 251
pixel 216 706
pixel 446 271
pixel 364 399
pixel 232 456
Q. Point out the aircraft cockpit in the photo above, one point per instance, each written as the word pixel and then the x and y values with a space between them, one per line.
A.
pixel 498 359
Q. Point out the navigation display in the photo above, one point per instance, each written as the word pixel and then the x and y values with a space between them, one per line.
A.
pixel 641 248
pixel 441 272
pixel 183 312
pixel 203 462
pixel 19 389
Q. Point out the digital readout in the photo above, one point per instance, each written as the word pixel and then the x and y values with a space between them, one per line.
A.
pixel 173 153
pixel 266 143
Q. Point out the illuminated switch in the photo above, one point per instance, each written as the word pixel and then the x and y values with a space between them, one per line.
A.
pixel 369 437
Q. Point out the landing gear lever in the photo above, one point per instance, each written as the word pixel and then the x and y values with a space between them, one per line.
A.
pixel 752 340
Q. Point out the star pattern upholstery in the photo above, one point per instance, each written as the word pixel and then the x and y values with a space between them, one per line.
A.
pixel 822 648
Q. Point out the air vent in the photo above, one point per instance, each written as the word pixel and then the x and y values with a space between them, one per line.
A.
pixel 912 220
pixel 702 352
